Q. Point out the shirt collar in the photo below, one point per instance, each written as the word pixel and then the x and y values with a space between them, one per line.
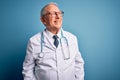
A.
pixel 50 34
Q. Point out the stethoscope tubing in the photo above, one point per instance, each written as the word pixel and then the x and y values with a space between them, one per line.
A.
pixel 63 37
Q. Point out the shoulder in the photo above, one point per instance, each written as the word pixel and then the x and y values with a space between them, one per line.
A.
pixel 72 40
pixel 69 35
pixel 35 38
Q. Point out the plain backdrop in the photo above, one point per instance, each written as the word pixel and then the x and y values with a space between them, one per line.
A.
pixel 96 23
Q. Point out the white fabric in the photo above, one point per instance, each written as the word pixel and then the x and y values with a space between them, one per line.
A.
pixel 50 64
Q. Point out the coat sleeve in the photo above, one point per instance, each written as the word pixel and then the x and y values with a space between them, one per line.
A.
pixel 79 64
pixel 28 64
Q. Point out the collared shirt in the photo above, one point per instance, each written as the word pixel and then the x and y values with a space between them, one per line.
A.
pixel 50 35
pixel 50 64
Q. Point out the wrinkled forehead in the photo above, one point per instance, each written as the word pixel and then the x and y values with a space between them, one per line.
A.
pixel 51 8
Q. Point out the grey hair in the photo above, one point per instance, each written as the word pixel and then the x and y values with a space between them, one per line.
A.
pixel 43 9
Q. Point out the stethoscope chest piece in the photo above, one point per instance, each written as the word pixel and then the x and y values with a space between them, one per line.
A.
pixel 41 55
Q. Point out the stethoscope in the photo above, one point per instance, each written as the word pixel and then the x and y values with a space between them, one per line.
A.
pixel 64 47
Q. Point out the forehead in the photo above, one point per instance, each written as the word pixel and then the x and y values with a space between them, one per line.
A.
pixel 52 7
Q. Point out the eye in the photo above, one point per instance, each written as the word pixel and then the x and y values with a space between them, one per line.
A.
pixel 48 13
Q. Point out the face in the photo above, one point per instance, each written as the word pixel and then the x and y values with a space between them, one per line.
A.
pixel 52 19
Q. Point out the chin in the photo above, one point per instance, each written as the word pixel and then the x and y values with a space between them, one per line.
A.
pixel 58 27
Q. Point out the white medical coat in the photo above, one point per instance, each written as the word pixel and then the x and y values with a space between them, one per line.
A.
pixel 50 65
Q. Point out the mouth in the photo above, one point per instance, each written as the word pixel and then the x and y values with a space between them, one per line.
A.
pixel 56 22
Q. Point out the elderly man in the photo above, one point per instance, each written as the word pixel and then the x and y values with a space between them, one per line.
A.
pixel 53 54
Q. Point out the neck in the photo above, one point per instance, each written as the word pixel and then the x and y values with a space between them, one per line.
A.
pixel 54 31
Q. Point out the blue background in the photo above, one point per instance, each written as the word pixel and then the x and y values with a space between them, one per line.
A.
pixel 96 23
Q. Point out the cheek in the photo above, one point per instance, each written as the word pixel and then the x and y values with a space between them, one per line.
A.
pixel 51 20
pixel 48 21
pixel 60 21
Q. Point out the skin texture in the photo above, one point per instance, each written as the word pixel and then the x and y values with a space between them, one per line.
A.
pixel 53 23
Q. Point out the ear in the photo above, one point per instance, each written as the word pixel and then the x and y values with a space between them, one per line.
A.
pixel 43 20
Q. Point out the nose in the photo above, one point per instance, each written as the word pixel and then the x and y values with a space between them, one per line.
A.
pixel 57 16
